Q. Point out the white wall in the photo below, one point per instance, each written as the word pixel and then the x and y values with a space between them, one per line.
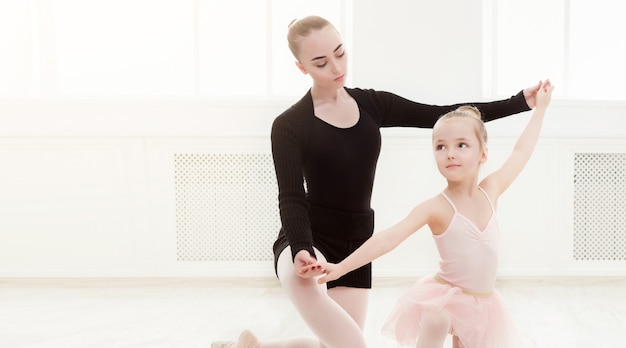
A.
pixel 433 56
pixel 87 188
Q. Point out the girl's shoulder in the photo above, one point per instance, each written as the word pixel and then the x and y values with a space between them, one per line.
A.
pixel 441 213
pixel 492 192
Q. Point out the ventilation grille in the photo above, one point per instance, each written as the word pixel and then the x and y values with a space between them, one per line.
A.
pixel 226 207
pixel 600 206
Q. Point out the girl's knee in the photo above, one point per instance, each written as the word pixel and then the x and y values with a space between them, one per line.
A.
pixel 436 321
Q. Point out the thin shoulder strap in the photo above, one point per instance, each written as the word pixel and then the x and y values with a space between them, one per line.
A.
pixel 488 199
pixel 450 201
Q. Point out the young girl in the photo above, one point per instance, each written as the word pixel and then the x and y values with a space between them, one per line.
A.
pixel 460 299
pixel 330 139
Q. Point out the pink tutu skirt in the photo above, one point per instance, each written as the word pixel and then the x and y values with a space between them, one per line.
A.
pixel 479 320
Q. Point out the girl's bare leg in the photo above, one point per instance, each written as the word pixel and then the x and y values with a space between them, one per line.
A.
pixel 433 331
pixel 328 313
pixel 456 342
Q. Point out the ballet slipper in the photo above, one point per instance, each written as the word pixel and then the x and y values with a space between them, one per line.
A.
pixel 246 340
pixel 224 344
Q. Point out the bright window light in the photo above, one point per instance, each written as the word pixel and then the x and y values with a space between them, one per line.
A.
pixel 233 48
pixel 124 47
pixel 137 48
pixel 576 43
pixel 16 58
pixel 597 50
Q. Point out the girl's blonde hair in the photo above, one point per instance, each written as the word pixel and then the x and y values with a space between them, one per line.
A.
pixel 301 28
pixel 472 112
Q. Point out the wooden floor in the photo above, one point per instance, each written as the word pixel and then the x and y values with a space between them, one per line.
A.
pixel 192 312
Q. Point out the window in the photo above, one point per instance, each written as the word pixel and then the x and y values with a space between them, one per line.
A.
pixel 577 43
pixel 131 48
pixel 123 47
pixel 17 75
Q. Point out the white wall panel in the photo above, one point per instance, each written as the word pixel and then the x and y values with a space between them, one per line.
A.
pixel 73 207
pixel 109 207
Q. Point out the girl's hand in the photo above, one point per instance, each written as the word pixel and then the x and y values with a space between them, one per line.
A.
pixel 544 95
pixel 530 94
pixel 306 265
pixel 331 272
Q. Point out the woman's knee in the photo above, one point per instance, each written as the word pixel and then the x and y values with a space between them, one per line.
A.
pixel 294 284
pixel 326 318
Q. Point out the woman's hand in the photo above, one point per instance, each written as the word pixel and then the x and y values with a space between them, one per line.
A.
pixel 306 265
pixel 530 94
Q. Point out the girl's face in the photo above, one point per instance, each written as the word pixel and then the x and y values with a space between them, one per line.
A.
pixel 458 151
pixel 323 57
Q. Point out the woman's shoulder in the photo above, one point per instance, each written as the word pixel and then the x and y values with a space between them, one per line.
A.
pixel 363 92
pixel 376 102
pixel 299 109
pixel 295 120
pixel 377 98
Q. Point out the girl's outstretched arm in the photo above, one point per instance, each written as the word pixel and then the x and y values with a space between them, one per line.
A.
pixel 501 179
pixel 381 242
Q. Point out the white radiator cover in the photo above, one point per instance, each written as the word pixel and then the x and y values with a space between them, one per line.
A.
pixel 599 207
pixel 226 206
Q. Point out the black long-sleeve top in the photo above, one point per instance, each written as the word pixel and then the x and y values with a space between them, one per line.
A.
pixel 333 168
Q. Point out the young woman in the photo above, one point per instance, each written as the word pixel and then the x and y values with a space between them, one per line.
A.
pixel 460 298
pixel 325 148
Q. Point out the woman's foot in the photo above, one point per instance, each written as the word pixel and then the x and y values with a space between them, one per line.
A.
pixel 246 340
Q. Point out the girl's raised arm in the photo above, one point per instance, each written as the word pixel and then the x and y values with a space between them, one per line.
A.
pixel 501 179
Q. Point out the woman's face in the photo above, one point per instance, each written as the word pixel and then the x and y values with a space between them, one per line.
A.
pixel 323 57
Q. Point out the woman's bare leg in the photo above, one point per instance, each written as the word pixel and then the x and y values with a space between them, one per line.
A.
pixel 327 313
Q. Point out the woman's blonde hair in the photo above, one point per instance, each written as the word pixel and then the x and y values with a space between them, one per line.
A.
pixel 468 111
pixel 301 28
